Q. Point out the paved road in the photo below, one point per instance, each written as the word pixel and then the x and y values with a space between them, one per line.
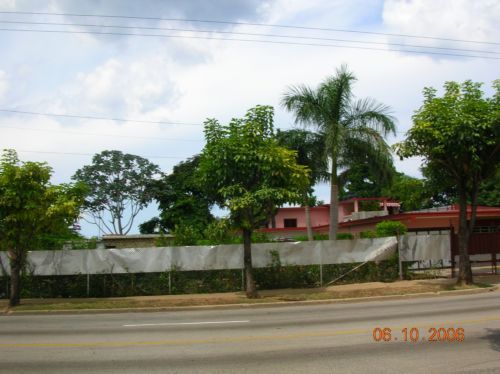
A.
pixel 298 339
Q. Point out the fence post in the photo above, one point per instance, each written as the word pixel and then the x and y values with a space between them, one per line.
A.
pixel 400 261
pixel 452 249
pixel 242 279
pixel 170 282
pixel 321 275
pixel 320 266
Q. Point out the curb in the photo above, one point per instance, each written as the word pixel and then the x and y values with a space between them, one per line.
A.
pixel 473 291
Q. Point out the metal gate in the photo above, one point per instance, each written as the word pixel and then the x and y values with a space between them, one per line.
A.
pixel 480 243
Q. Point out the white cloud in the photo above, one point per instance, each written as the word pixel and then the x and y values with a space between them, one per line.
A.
pixel 119 88
pixel 7 4
pixel 457 19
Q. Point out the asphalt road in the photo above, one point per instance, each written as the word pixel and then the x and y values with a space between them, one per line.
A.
pixel 295 339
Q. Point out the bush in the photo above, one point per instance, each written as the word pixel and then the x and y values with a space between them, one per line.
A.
pixel 163 241
pixel 277 275
pixel 218 232
pixel 186 235
pixel 340 236
pixel 390 228
pixel 344 236
pixel 370 234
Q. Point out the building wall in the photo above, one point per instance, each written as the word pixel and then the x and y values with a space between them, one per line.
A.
pixel 319 216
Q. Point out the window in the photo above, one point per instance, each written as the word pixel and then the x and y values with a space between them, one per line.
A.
pixel 486 229
pixel 290 222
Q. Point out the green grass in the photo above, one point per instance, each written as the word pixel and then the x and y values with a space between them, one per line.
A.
pixel 270 296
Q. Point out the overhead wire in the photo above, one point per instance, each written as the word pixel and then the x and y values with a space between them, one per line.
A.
pixel 249 34
pixel 248 24
pixel 90 154
pixel 99 118
pixel 249 40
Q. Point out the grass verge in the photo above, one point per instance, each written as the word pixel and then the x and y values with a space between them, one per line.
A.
pixel 268 296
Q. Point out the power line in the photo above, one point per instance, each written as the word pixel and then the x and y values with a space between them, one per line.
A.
pixel 248 34
pixel 98 118
pixel 88 154
pixel 252 41
pixel 248 24
pixel 99 135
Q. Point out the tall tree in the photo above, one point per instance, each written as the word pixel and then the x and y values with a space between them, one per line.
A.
pixel 458 135
pixel 31 207
pixel 347 125
pixel 309 147
pixel 489 191
pixel 245 169
pixel 120 185
pixel 410 192
pixel 181 199
pixel 366 177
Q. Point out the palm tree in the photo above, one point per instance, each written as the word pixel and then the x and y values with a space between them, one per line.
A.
pixel 309 147
pixel 348 126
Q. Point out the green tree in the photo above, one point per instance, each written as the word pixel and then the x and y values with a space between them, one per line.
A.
pixel 410 192
pixel 348 126
pixel 366 179
pixel 119 185
pixel 181 199
pixel 30 207
pixel 245 169
pixel 309 147
pixel 489 191
pixel 458 135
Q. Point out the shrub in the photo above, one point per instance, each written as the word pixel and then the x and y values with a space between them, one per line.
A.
pixel 390 228
pixel 344 236
pixel 340 236
pixel 163 241
pixel 186 235
pixel 218 232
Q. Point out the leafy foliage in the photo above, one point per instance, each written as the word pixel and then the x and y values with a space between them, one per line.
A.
pixel 246 171
pixel 119 185
pixel 459 137
pixel 390 228
pixel 219 231
pixel 489 191
pixel 182 200
pixel 351 129
pixel 186 235
pixel 361 180
pixel 30 209
pixel 310 152
pixel 409 191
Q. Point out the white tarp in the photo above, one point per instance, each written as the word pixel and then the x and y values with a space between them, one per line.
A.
pixel 425 247
pixel 148 260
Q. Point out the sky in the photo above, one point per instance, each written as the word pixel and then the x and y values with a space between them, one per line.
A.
pixel 171 81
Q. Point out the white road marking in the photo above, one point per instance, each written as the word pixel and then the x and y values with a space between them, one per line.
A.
pixel 186 323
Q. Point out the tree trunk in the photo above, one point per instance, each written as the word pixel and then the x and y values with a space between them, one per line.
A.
pixel 247 259
pixel 464 231
pixel 334 202
pixel 120 228
pixel 307 210
pixel 15 284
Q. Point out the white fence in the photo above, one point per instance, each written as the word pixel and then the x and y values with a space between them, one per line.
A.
pixel 146 260
pixel 431 247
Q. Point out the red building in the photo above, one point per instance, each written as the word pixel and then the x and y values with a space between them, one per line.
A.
pixel 290 222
